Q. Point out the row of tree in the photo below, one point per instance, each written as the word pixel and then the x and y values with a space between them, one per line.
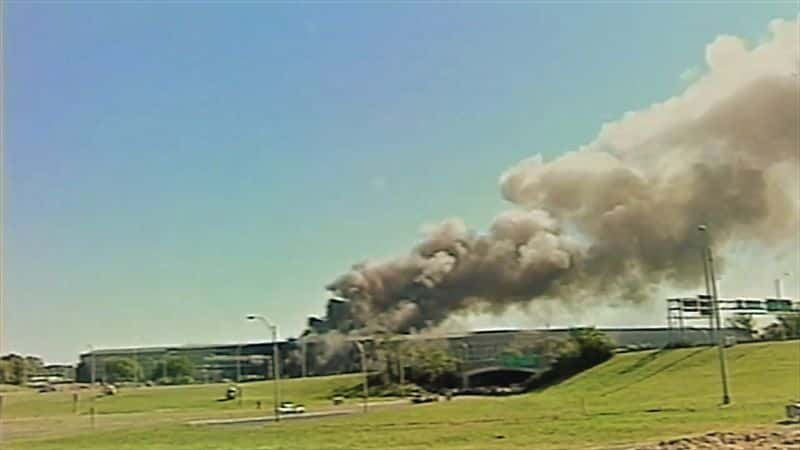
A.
pixel 585 348
pixel 15 369
pixel 401 361
pixel 430 364
pixel 785 326
pixel 175 370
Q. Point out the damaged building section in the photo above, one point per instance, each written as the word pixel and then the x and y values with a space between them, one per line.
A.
pixel 338 317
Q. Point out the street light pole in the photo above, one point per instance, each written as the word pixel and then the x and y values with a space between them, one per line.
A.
pixel 136 367
pixel 723 367
pixel 360 347
pixel 465 356
pixel 238 364
pixel 93 372
pixel 304 366
pixel 276 373
pixel 711 314
pixel 93 375
pixel 276 377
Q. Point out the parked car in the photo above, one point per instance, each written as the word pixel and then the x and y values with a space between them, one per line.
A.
pixel 291 408
pixel 47 388
pixel 793 410
pixel 501 390
pixel 231 393
pixel 424 397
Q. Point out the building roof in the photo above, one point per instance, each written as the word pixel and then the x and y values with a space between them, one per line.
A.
pixel 177 348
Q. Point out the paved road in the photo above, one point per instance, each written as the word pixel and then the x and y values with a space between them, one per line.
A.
pixel 265 419
pixel 309 415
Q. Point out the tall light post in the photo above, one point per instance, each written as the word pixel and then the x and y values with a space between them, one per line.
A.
pixel 168 353
pixel 464 357
pixel 711 314
pixel 164 361
pixel 275 362
pixel 138 367
pixel 362 352
pixel 238 365
pixel 402 367
pixel 723 367
pixel 239 374
pixel 93 375
pixel 779 285
pixel 93 372
pixel 304 349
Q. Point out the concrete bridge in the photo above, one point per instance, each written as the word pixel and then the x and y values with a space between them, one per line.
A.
pixel 496 372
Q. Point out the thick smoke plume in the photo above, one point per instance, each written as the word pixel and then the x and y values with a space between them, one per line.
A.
pixel 618 216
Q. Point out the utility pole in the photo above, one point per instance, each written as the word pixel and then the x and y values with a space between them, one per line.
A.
pixel 92 390
pixel 464 378
pixel 304 366
pixel 138 367
pixel 2 186
pixel 238 364
pixel 276 373
pixel 239 374
pixel 723 367
pixel 360 347
pixel 275 362
pixel 711 314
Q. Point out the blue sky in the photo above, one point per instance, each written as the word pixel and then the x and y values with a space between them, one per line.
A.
pixel 173 167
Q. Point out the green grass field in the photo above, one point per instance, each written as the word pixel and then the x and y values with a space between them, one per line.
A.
pixel 636 397
pixel 10 388
pixel 197 398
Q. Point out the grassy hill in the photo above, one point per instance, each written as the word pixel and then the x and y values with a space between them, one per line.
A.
pixel 634 397
pixel 10 388
pixel 198 398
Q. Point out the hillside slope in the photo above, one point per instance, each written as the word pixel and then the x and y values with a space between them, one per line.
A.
pixel 633 398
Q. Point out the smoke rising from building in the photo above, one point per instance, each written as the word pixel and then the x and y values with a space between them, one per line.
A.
pixel 618 216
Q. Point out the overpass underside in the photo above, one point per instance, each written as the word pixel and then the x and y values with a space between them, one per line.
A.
pixel 497 376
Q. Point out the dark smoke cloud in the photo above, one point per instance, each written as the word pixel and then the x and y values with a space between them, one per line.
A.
pixel 619 216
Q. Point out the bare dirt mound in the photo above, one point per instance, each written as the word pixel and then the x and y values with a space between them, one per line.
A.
pixel 758 440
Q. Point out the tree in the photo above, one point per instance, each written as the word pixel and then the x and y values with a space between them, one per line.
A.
pixel 585 348
pixel 593 345
pixel 774 332
pixel 5 372
pixel 786 327
pixel 34 365
pixel 536 347
pixel 790 323
pixel 429 364
pixel 178 368
pixel 15 369
pixel 122 369
pixel 388 353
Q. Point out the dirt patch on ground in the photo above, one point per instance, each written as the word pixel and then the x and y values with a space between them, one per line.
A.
pixel 758 440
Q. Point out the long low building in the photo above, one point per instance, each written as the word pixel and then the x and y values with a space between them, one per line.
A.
pixel 325 354
pixel 209 362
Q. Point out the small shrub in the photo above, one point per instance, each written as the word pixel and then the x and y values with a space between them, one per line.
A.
pixel 679 344
pixel 184 379
pixel 586 347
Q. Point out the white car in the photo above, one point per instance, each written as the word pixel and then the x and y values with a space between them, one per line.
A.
pixel 291 408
